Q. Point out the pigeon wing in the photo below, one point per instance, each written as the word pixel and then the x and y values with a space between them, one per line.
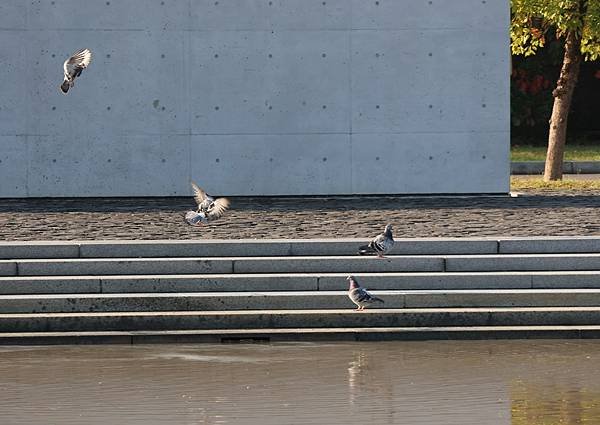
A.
pixel 360 295
pixel 199 193
pixel 77 62
pixel 218 208
pixel 377 242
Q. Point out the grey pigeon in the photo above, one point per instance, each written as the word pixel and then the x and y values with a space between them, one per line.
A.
pixel 359 295
pixel 209 208
pixel 73 68
pixel 381 244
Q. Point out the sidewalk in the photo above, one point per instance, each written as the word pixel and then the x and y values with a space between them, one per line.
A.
pixel 532 214
pixel 569 167
pixel 565 176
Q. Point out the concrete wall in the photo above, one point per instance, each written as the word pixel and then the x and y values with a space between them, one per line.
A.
pixel 255 97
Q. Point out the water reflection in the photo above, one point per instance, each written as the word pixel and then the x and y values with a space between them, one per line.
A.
pixel 462 383
pixel 356 371
pixel 554 404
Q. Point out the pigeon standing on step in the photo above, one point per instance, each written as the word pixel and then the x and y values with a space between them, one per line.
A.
pixel 73 68
pixel 381 244
pixel 359 295
pixel 209 208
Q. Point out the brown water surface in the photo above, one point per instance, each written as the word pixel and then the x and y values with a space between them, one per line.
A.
pixel 454 383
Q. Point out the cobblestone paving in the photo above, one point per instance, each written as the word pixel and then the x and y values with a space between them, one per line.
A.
pixel 533 214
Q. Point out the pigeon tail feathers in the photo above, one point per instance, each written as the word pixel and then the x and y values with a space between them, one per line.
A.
pixel 366 250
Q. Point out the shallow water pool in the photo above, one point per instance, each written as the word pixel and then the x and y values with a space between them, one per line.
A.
pixel 449 382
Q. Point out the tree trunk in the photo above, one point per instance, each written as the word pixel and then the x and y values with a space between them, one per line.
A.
pixel 563 93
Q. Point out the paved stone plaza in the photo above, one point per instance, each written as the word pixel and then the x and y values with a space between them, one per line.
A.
pixel 530 214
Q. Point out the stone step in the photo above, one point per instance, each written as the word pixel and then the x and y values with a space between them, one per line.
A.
pixel 522 262
pixel 291 247
pixel 136 266
pixel 194 301
pixel 266 335
pixel 236 248
pixel 295 282
pixel 293 300
pixel 300 264
pixel 266 319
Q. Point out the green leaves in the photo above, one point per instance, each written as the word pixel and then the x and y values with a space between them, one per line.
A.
pixel 531 20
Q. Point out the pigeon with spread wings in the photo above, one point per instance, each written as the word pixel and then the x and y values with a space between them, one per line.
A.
pixel 209 208
pixel 73 68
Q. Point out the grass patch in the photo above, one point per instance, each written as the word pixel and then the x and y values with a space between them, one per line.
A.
pixel 572 153
pixel 523 183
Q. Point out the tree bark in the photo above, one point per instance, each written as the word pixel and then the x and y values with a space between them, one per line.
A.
pixel 563 94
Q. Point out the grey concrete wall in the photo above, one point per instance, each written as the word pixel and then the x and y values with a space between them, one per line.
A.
pixel 255 97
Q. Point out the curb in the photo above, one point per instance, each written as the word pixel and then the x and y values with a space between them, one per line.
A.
pixel 569 167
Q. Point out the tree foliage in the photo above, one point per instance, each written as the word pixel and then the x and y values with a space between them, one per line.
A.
pixel 533 20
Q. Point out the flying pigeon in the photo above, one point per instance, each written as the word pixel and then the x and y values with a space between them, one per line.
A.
pixel 381 244
pixel 359 295
pixel 209 208
pixel 73 68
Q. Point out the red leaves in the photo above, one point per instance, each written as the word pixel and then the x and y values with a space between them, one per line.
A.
pixel 530 84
